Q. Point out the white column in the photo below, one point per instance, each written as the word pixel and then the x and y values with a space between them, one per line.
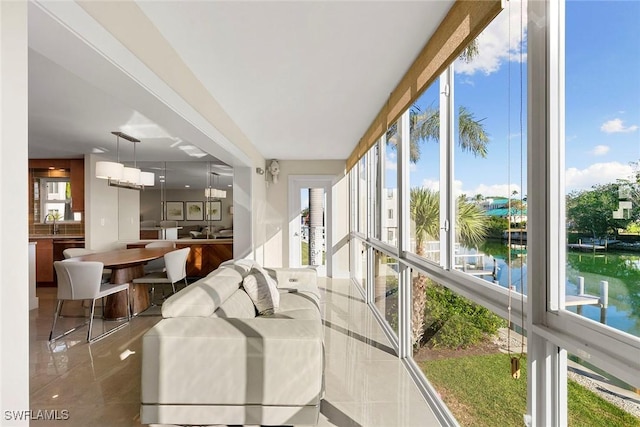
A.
pixel 14 232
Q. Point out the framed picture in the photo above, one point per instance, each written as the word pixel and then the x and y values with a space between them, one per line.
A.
pixel 194 211
pixel 175 211
pixel 214 211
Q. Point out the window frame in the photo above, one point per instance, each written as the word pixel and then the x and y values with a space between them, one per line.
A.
pixel 44 199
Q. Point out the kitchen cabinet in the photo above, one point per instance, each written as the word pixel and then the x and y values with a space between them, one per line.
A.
pixel 48 250
pixel 44 261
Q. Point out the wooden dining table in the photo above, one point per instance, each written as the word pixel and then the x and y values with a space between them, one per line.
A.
pixel 126 265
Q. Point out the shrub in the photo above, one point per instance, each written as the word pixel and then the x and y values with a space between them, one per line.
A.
pixel 456 322
pixel 457 332
pixel 496 226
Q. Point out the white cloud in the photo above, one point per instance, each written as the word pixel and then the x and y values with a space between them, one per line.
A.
pixel 431 184
pixel 597 173
pixel 496 44
pixel 600 150
pixel 617 126
pixel 503 190
pixel 435 185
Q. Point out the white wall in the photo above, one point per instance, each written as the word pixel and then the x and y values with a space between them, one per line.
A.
pixel 14 229
pixel 100 208
pixel 128 214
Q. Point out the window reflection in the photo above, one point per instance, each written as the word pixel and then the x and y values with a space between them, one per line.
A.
pixel 386 288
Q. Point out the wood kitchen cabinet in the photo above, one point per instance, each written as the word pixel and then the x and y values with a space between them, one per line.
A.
pixel 44 261
pixel 49 250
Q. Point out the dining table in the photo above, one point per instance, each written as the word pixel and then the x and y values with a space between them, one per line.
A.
pixel 126 265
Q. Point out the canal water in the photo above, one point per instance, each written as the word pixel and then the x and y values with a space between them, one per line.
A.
pixel 620 269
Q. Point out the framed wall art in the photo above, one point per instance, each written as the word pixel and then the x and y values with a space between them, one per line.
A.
pixel 194 211
pixel 214 211
pixel 174 211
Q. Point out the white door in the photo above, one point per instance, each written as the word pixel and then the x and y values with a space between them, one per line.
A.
pixel 310 219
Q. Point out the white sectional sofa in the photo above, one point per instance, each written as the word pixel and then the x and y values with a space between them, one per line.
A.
pixel 213 360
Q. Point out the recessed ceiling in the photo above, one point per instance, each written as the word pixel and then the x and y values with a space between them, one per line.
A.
pixel 303 80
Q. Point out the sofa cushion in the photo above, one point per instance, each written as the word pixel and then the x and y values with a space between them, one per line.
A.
pixel 203 297
pixel 238 305
pixel 297 305
pixel 262 290
pixel 242 266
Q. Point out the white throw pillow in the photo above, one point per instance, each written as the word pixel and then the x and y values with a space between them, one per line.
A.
pixel 262 290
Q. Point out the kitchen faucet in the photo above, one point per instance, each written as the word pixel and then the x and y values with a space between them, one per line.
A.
pixel 53 217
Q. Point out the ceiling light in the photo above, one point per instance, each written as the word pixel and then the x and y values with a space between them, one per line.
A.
pixel 214 193
pixel 192 151
pixel 120 176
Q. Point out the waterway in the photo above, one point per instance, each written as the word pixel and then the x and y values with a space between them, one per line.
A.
pixel 620 269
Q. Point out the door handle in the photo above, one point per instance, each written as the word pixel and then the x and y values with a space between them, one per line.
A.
pixel 296 234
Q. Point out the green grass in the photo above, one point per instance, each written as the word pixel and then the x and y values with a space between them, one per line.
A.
pixel 305 254
pixel 479 391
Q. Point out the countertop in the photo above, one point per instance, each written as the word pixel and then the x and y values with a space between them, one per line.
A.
pixel 56 236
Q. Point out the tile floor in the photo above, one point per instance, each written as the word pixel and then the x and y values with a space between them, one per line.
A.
pixel 99 384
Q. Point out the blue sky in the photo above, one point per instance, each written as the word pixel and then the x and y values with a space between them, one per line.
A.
pixel 602 101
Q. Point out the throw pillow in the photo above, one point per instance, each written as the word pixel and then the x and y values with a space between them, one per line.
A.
pixel 262 290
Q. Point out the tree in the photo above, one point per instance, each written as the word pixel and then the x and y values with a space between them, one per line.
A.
pixel 424 208
pixel 592 211
pixel 425 125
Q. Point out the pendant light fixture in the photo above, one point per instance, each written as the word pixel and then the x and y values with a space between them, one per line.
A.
pixel 214 193
pixel 122 176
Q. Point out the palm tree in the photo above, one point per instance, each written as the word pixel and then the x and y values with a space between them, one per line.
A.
pixel 424 208
pixel 425 125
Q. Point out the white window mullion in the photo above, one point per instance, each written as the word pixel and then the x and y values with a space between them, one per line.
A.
pixel 403 183
pixel 447 144
pixel 546 388
pixel 405 344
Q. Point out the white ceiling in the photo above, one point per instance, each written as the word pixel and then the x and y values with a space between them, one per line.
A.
pixel 303 80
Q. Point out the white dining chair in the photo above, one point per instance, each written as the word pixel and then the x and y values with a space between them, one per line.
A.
pixel 157 264
pixel 81 280
pixel 176 270
pixel 76 252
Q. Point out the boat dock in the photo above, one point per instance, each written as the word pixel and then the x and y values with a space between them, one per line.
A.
pixel 586 247
pixel 583 299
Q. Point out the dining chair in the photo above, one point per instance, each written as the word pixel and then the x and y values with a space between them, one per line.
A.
pixel 176 270
pixel 157 264
pixel 75 252
pixel 81 280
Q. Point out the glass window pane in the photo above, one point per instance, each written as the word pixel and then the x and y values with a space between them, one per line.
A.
pixel 490 154
pixel 362 195
pixel 424 175
pixel 597 398
pixel 360 264
pixel 386 288
pixel 389 196
pixel 465 352
pixel 374 207
pixel 602 95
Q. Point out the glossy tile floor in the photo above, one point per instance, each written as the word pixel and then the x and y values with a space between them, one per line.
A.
pixel 99 384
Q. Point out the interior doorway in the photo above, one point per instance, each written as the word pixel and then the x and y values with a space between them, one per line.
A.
pixel 309 225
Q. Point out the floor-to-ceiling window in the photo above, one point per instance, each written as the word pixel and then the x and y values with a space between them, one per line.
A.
pixel 470 187
pixel 599 286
